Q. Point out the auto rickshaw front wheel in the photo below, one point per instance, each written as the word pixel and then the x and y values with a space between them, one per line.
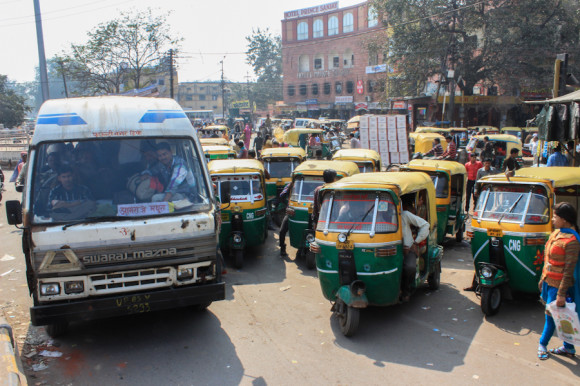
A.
pixel 459 234
pixel 434 278
pixel 490 300
pixel 238 258
pixel 348 318
pixel 310 258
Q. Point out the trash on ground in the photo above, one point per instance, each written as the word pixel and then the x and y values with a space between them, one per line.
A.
pixel 7 258
pixel 285 288
pixel 51 354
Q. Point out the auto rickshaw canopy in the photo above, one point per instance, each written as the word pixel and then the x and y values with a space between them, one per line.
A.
pixel 292 136
pixel 316 167
pixel 451 167
pixel 356 155
pixel 558 176
pixel 491 129
pixel 429 129
pixel 216 149
pixel 235 166
pixel 213 142
pixel 501 138
pixel 295 152
pixel 424 141
pixel 353 123
pixel 400 182
pixel 510 128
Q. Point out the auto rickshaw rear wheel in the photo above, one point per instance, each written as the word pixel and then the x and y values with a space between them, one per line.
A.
pixel 238 258
pixel 490 300
pixel 348 318
pixel 434 278
pixel 310 259
pixel 459 234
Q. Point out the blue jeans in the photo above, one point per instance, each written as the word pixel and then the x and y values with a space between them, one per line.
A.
pixel 549 294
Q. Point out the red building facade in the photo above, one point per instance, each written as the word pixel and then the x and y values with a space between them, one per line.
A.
pixel 327 67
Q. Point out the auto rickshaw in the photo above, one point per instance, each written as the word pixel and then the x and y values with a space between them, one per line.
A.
pixel 218 152
pixel 513 130
pixel 222 129
pixel 214 142
pixel 353 125
pixel 280 163
pixel 430 129
pixel 509 228
pixel 502 143
pixel 307 177
pixel 367 160
pixel 480 129
pixel 461 132
pixel 245 218
pixel 299 137
pixel 449 179
pixel 358 244
pixel 423 142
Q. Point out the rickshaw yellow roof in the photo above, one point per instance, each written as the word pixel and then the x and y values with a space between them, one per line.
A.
pixel 207 148
pixel 349 154
pixel 292 135
pixel 317 167
pixel 213 141
pixel 429 129
pixel 451 167
pixel 216 127
pixel 560 176
pixel 407 182
pixel 481 127
pixel 511 128
pixel 428 135
pixel 354 119
pixel 283 151
pixel 499 137
pixel 457 129
pixel 225 166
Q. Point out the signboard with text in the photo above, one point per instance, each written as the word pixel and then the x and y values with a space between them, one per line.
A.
pixel 343 99
pixel 311 10
pixel 241 104
pixel 360 88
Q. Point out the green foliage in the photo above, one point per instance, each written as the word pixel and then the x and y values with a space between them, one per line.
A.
pixel 13 107
pixel 124 50
pixel 264 54
pixel 510 43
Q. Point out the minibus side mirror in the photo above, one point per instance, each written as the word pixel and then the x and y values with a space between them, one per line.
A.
pixel 14 212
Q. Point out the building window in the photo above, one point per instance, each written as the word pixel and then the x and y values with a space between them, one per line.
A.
pixel 303 65
pixel 161 82
pixel 348 58
pixel 338 87
pixel 372 17
pixel 302 30
pixel 318 64
pixel 202 97
pixel 349 87
pixel 347 22
pixel 373 58
pixel 318 29
pixel 214 107
pixel 371 86
pixel 332 25
pixel 335 62
pixel 214 97
pixel 188 98
pixel 291 90
pixel 202 107
pixel 315 89
pixel 303 90
pixel 201 88
pixel 326 88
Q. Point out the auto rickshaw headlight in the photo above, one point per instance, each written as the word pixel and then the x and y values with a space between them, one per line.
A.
pixel 237 209
pixel 237 239
pixel 487 272
pixel 310 238
pixel 342 237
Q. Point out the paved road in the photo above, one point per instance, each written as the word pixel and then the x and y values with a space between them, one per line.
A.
pixel 276 328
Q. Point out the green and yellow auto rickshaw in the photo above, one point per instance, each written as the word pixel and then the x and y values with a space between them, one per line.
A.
pixel 367 160
pixel 449 179
pixel 510 226
pixel 218 152
pixel 214 142
pixel 502 144
pixel 280 163
pixel 222 130
pixel 358 244
pixel 307 177
pixel 300 137
pixel 245 217
pixel 423 142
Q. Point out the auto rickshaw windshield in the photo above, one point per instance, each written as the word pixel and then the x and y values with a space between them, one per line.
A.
pixel 242 188
pixel 303 190
pixel 504 203
pixel 441 182
pixel 365 167
pixel 358 212
pixel 280 168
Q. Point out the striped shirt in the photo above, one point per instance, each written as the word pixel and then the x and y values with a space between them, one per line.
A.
pixel 451 151
pixel 77 193
pixel 176 179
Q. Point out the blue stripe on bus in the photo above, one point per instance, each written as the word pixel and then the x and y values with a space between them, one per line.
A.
pixel 67 119
pixel 159 116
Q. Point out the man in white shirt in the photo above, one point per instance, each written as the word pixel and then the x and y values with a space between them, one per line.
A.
pixel 354 142
pixel 411 244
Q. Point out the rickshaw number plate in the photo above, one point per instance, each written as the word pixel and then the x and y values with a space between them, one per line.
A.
pixel 225 216
pixel 495 232
pixel 346 245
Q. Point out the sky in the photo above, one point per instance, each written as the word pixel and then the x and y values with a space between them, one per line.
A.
pixel 211 29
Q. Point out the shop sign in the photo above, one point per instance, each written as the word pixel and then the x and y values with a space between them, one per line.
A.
pixel 360 88
pixel 343 99
pixel 241 104
pixel 399 105
pixel 311 101
pixel 311 107
pixel 311 10
pixel 376 69
pixel 301 108
pixel 361 106
pixel 375 106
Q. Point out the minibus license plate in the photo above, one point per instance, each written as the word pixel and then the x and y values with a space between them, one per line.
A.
pixel 495 232
pixel 346 245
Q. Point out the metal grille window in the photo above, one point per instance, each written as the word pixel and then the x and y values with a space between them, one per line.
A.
pixel 291 90
pixel 326 88
pixel 338 87
pixel 303 89
pixel 349 87
pixel 315 89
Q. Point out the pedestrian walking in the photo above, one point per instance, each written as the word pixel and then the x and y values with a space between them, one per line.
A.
pixel 472 167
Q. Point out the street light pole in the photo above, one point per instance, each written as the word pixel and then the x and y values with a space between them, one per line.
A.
pixel 223 92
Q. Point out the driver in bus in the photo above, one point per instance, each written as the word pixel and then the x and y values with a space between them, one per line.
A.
pixel 69 200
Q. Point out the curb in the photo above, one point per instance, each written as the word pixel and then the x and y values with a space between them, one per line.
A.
pixel 10 374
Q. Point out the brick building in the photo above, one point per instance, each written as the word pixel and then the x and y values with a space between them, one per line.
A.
pixel 327 67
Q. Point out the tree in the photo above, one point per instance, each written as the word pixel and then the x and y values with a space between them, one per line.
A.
pixel 13 107
pixel 122 51
pixel 496 42
pixel 264 54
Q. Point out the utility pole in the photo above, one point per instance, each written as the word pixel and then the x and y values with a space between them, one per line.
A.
pixel 171 73
pixel 451 71
pixel 250 98
pixel 61 64
pixel 223 92
pixel 41 57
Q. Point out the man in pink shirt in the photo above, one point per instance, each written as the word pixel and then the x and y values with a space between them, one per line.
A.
pixel 472 166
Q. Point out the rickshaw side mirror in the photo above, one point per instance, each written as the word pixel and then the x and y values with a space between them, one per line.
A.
pixel 225 192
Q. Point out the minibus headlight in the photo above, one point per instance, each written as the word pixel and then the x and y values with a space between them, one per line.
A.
pixel 342 237
pixel 48 289
pixel 184 274
pixel 74 287
pixel 486 272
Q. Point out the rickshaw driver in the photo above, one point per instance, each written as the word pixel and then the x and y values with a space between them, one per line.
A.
pixel 410 244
